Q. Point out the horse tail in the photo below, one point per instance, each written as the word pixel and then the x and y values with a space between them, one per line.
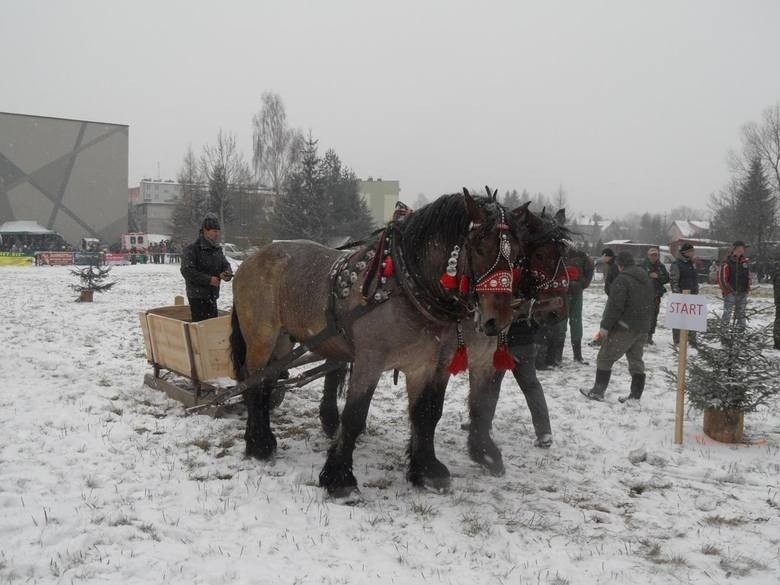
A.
pixel 237 346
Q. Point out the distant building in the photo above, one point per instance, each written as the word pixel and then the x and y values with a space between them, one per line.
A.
pixel 70 176
pixel 590 231
pixel 381 197
pixel 687 230
pixel 152 204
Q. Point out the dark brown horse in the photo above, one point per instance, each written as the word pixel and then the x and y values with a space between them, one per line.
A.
pixel 386 306
pixel 543 286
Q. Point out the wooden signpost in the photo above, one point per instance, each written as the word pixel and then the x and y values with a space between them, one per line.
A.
pixel 685 312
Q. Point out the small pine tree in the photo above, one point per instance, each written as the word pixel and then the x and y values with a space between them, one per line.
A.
pixel 91 278
pixel 730 369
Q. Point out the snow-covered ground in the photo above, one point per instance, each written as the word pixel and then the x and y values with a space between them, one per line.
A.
pixel 103 480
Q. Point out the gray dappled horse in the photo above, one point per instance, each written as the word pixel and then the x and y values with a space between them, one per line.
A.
pixel 385 306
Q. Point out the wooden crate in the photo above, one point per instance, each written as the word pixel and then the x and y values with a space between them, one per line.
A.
pixel 199 351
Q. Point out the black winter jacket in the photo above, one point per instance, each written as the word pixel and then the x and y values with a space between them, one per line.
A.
pixel 199 262
pixel 631 301
pixel 683 276
pixel 663 275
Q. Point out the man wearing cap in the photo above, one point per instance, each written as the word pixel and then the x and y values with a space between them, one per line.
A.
pixel 659 277
pixel 203 265
pixel 611 270
pixel 734 282
pixel 624 328
pixel 682 276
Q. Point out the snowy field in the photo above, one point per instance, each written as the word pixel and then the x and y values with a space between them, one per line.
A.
pixel 103 480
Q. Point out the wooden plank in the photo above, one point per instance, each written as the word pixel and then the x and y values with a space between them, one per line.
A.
pixel 170 344
pixel 210 343
pixel 180 394
pixel 147 338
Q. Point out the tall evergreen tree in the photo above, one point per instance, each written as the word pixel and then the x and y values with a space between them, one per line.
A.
pixel 512 199
pixel 349 213
pixel 756 209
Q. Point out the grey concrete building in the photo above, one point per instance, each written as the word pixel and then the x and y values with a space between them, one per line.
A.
pixel 70 176
pixel 381 197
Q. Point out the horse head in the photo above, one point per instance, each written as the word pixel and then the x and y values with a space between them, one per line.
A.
pixel 493 248
pixel 543 280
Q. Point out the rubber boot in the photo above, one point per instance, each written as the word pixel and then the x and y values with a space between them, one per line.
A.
pixel 599 387
pixel 637 387
pixel 576 348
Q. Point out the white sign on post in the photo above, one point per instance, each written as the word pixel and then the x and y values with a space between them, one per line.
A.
pixel 686 312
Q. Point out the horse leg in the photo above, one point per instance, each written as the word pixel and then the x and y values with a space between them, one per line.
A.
pixel 484 389
pixel 329 411
pixel 336 475
pixel 426 401
pixel 260 439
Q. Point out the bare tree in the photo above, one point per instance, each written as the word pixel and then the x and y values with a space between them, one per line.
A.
pixel 190 207
pixel 226 174
pixel 276 147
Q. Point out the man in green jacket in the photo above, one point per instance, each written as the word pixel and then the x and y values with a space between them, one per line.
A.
pixel 659 275
pixel 624 328
pixel 579 269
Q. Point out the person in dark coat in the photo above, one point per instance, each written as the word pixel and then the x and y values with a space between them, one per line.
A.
pixel 682 276
pixel 579 269
pixel 204 266
pixel 521 343
pixel 660 277
pixel 610 268
pixel 734 282
pixel 624 328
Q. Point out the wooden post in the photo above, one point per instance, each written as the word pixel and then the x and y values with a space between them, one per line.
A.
pixel 178 300
pixel 682 364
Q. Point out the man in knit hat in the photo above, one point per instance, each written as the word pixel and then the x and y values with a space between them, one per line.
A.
pixel 624 328
pixel 204 266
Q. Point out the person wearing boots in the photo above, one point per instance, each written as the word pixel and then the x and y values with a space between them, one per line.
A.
pixel 682 276
pixel 659 276
pixel 734 282
pixel 579 268
pixel 204 266
pixel 624 328
pixel 521 343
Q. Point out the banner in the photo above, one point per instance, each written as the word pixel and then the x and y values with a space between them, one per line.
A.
pixel 54 258
pixel 686 312
pixel 116 258
pixel 16 259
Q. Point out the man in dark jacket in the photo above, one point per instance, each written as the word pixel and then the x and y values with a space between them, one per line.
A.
pixel 734 282
pixel 624 328
pixel 682 276
pixel 659 276
pixel 203 265
pixel 579 269
pixel 610 268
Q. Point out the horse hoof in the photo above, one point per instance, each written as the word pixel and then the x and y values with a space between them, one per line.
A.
pixel 262 449
pixel 488 456
pixel 439 485
pixel 432 475
pixel 338 479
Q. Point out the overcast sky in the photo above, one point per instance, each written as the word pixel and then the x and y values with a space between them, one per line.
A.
pixel 629 105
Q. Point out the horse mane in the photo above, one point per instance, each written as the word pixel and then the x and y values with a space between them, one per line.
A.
pixel 444 220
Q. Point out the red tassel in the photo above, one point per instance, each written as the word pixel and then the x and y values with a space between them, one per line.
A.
pixel 389 268
pixel 573 272
pixel 502 359
pixel 448 281
pixel 465 284
pixel 515 275
pixel 460 361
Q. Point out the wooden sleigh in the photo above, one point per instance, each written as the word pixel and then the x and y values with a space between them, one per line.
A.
pixel 199 355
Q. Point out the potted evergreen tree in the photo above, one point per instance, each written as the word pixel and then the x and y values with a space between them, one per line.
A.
pixel 729 375
pixel 91 280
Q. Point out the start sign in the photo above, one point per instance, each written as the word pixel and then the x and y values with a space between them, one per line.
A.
pixel 686 312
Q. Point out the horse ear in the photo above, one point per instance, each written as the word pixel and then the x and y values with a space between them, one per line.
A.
pixel 495 194
pixel 521 213
pixel 472 209
pixel 544 211
pixel 489 192
pixel 560 216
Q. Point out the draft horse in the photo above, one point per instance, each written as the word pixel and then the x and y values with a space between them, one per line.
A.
pixel 386 306
pixel 541 293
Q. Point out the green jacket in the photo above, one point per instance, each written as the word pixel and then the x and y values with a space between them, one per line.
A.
pixel 631 302
pixel 663 275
